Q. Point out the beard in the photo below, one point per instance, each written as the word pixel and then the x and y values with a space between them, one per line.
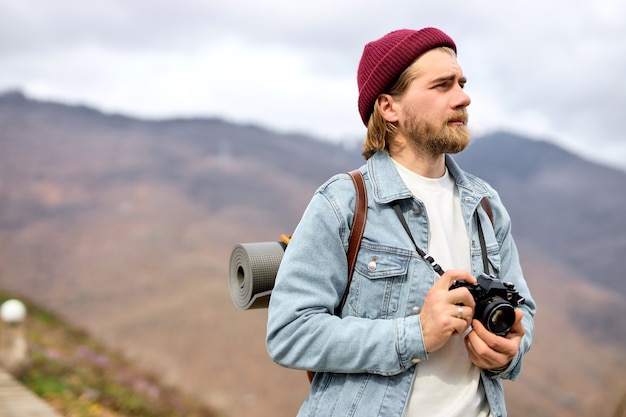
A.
pixel 433 139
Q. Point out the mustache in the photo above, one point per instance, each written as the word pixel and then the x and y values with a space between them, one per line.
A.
pixel 460 116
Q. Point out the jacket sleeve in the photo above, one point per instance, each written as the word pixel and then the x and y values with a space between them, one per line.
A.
pixel 511 271
pixel 302 331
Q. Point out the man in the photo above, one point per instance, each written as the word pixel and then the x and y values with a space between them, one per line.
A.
pixel 405 344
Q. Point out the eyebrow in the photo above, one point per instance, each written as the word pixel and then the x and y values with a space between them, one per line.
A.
pixel 449 77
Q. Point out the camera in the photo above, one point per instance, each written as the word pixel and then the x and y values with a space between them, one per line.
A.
pixel 495 302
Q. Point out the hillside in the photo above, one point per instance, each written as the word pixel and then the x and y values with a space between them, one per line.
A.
pixel 124 227
pixel 78 376
pixel 567 207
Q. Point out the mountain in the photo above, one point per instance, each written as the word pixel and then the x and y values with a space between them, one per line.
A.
pixel 124 227
pixel 568 208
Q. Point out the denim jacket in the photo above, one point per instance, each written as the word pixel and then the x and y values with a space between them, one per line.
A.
pixel 366 357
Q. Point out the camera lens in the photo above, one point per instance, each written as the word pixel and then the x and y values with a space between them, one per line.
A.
pixel 497 316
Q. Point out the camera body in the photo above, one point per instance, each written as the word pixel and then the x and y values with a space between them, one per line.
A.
pixel 495 302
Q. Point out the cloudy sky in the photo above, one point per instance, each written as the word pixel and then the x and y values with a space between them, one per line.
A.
pixel 547 69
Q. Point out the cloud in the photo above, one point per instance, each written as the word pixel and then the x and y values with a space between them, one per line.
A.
pixel 545 68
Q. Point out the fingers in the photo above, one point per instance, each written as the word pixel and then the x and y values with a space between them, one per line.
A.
pixel 490 351
pixel 481 354
pixel 454 275
pixel 516 331
pixel 518 327
pixel 446 313
pixel 438 328
pixel 464 313
pixel 461 319
pixel 459 313
pixel 459 295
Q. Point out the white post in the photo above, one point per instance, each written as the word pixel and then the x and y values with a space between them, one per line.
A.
pixel 13 344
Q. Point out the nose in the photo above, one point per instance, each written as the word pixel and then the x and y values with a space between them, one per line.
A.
pixel 462 100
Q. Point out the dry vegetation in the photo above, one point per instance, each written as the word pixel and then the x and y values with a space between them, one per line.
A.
pixel 79 377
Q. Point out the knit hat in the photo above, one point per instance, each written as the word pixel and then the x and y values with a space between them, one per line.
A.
pixel 383 61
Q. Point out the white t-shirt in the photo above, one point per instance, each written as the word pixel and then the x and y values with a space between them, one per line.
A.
pixel 447 384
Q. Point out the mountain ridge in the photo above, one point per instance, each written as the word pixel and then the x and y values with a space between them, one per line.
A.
pixel 125 227
pixel 548 189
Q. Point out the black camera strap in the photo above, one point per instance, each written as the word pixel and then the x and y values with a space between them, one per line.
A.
pixel 428 258
pixel 483 246
pixel 438 269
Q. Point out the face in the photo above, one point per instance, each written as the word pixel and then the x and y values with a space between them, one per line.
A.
pixel 432 112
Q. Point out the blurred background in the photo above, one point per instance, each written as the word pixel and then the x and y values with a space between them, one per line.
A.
pixel 140 141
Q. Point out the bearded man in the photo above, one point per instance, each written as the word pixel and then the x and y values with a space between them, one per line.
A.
pixel 406 341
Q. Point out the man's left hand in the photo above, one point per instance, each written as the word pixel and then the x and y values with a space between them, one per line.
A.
pixel 490 351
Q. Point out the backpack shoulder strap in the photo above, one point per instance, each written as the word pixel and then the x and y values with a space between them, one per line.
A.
pixel 356 230
pixel 356 234
pixel 484 202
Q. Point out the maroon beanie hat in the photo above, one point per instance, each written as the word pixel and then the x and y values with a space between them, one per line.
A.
pixel 383 61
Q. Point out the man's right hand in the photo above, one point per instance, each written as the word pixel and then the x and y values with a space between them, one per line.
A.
pixel 446 313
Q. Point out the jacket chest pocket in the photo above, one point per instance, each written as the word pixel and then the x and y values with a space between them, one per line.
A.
pixel 377 281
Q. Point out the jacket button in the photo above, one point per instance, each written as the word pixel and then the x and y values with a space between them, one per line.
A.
pixel 416 310
pixel 372 264
pixel 416 209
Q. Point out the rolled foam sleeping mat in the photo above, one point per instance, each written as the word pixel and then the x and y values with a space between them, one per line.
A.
pixel 253 268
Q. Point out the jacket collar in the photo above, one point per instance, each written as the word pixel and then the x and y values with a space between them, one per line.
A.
pixel 387 185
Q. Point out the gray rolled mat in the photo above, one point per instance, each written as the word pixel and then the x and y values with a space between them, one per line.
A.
pixel 253 268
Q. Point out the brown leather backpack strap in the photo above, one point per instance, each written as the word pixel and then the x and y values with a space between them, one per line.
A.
pixel 356 234
pixel 484 202
pixel 358 222
pixel 356 230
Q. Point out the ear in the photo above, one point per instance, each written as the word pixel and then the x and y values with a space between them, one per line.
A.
pixel 388 108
